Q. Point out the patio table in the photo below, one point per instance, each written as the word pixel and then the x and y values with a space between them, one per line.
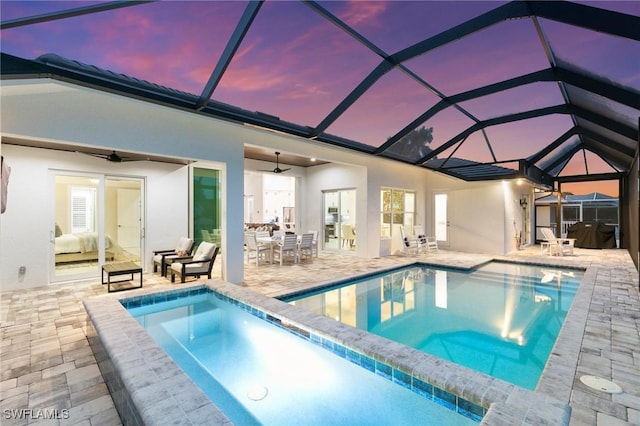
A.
pixel 123 268
pixel 273 242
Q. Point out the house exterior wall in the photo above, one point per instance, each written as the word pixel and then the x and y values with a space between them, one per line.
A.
pixel 44 110
pixel 27 223
pixel 80 116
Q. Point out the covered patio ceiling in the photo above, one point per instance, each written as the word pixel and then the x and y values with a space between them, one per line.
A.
pixel 545 90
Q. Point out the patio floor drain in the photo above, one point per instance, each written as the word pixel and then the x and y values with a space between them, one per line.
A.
pixel 601 384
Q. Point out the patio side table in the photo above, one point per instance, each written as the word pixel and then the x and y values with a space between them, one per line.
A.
pixel 123 268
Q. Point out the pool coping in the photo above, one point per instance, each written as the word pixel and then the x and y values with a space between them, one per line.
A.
pixel 146 385
pixel 158 387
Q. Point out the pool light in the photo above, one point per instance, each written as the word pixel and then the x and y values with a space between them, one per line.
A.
pixel 257 392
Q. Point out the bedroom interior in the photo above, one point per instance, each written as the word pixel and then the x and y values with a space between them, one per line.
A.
pixel 80 241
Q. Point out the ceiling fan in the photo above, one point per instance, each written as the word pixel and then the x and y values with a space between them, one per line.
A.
pixel 277 169
pixel 114 157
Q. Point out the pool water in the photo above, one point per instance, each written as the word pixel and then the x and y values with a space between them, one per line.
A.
pixel 501 319
pixel 257 373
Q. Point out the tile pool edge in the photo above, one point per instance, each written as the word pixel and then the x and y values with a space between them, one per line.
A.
pixel 146 386
pixel 557 376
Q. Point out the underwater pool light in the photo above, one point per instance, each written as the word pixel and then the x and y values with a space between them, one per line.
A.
pixel 257 393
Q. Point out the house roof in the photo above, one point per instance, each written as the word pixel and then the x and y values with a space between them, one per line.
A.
pixel 477 90
pixel 594 197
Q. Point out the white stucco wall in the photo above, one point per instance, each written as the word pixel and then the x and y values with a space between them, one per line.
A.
pixel 58 112
pixel 29 219
pixel 481 214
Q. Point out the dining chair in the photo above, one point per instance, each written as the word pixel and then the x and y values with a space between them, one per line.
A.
pixel 288 248
pixel 262 234
pixel 314 244
pixel 259 250
pixel 305 248
pixel 348 235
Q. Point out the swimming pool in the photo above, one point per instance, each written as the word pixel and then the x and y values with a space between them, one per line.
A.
pixel 501 319
pixel 258 373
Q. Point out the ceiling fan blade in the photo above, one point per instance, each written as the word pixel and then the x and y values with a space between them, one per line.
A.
pixel 277 169
pixel 114 157
pixel 123 159
pixel 93 155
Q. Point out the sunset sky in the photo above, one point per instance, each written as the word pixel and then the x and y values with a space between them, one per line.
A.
pixel 296 65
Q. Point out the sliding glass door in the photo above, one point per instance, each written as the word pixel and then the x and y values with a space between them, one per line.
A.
pixel 124 229
pixel 96 219
pixel 339 220
pixel 206 205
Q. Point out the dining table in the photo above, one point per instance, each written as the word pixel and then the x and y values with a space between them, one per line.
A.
pixel 273 241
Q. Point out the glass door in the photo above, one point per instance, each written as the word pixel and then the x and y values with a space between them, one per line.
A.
pixel 206 206
pixel 441 219
pixel 75 232
pixel 339 231
pixel 96 220
pixel 123 219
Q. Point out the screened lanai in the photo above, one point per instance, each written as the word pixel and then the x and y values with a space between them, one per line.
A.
pixel 549 91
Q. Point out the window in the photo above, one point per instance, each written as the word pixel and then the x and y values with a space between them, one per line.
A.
pixel 398 208
pixel 83 206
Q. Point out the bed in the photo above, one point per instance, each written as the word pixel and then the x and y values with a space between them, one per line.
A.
pixel 79 247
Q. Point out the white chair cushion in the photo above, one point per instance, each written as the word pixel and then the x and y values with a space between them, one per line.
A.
pixel 204 252
pixel 190 267
pixel 183 244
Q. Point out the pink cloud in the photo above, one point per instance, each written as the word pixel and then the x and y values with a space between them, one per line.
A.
pixel 369 13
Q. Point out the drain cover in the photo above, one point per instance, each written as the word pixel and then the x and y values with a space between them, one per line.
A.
pixel 256 393
pixel 601 384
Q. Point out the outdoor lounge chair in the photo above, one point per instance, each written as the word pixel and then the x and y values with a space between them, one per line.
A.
pixel 183 248
pixel 555 245
pixel 410 243
pixel 432 243
pixel 424 242
pixel 200 264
